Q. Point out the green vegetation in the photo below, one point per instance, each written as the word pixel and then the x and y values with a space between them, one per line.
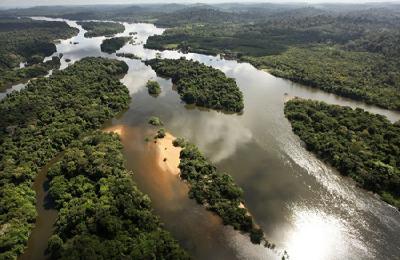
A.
pixel 113 44
pixel 369 77
pixel 40 121
pixel 155 121
pixel 216 191
pixel 179 142
pixel 361 145
pixel 352 54
pixel 102 214
pixel 26 40
pixel 95 29
pixel 153 87
pixel 161 133
pixel 13 76
pixel 128 55
pixel 200 84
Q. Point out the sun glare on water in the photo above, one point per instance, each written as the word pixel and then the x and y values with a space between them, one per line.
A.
pixel 315 236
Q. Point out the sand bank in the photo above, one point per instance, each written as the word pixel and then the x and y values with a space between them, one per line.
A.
pixel 167 154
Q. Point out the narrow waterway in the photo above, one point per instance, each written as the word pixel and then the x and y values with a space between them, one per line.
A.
pixel 47 216
pixel 303 205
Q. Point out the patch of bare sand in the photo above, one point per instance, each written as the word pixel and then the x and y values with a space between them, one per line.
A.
pixel 168 156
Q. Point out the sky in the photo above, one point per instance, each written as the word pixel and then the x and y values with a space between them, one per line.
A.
pixel 25 3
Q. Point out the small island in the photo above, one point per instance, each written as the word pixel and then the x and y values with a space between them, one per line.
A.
pixel 359 144
pixel 200 84
pixel 96 29
pixel 128 55
pixel 113 44
pixel 216 191
pixel 155 121
pixel 153 87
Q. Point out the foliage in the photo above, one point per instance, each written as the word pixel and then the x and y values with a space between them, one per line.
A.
pixel 13 76
pixel 200 84
pixel 153 87
pixel 95 29
pixel 179 142
pixel 27 40
pixel 216 191
pixel 352 54
pixel 361 145
pixel 128 55
pixel 41 120
pixel 364 76
pixel 113 44
pixel 155 121
pixel 102 214
pixel 161 133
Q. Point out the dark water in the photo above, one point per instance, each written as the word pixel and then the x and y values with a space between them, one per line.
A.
pixel 46 218
pixel 303 205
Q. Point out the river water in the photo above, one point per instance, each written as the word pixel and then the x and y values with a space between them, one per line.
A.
pixel 303 205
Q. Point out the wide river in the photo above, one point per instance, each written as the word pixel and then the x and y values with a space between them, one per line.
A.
pixel 303 205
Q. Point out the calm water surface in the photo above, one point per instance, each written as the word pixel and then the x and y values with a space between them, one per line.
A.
pixel 303 205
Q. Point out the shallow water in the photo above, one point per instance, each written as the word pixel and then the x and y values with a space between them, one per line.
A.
pixel 303 205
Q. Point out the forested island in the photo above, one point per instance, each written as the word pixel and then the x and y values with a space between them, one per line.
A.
pixel 113 44
pixel 103 215
pixel 216 191
pixel 40 121
pixel 128 55
pixel 153 88
pixel 96 29
pixel 344 52
pixel 27 40
pixel 359 144
pixel 200 84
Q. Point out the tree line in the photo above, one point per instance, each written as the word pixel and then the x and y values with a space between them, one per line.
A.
pixel 359 144
pixel 96 29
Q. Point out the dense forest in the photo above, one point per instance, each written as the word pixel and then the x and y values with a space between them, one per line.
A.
pixel 40 121
pixel 27 40
pixel 95 29
pixel 113 44
pixel 359 144
pixel 102 214
pixel 200 84
pixel 216 191
pixel 353 54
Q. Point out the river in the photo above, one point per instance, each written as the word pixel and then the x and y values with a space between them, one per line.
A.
pixel 303 205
